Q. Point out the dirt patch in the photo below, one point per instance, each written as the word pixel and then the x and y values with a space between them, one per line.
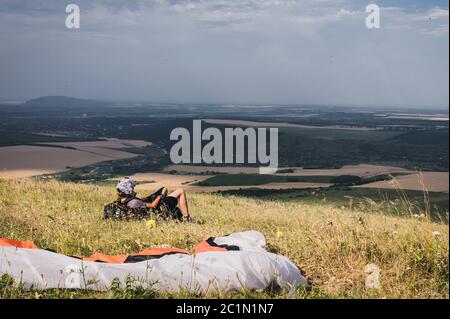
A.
pixel 432 181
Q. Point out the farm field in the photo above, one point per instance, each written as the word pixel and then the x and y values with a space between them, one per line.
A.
pixel 192 183
pixel 358 170
pixel 431 181
pixel 55 157
pixel 285 125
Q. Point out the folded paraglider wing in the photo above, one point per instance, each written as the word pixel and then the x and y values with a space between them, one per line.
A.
pixel 232 262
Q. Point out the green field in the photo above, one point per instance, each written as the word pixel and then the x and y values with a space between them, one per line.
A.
pixel 319 148
pixel 258 179
pixel 20 138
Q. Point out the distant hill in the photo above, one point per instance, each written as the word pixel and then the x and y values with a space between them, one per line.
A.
pixel 62 101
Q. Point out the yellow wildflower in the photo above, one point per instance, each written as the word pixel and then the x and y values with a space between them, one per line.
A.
pixel 151 223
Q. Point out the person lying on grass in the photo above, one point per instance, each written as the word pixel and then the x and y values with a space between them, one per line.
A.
pixel 158 201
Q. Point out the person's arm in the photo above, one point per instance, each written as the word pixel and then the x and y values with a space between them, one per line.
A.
pixel 162 191
pixel 155 203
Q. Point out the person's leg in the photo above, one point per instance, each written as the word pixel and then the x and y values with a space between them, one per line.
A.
pixel 180 194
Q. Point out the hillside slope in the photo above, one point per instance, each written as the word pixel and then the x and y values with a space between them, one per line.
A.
pixel 332 246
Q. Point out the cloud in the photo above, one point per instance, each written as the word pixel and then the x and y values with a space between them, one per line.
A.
pixel 438 13
pixel 345 12
pixel 240 51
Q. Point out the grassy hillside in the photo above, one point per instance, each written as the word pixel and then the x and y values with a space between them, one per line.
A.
pixel 389 201
pixel 332 246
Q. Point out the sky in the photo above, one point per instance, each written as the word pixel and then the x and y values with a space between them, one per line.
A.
pixel 308 52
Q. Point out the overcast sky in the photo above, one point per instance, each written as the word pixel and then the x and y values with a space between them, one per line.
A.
pixel 228 51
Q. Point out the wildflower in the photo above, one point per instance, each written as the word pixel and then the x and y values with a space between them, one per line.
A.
pixel 151 223
pixel 436 234
pixel 416 216
pixel 332 279
pixel 360 220
pixel 422 216
pixel 279 234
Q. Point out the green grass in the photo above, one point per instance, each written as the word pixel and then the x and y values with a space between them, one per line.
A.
pixel 331 245
pixel 259 179
pixel 425 137
pixel 389 201
pixel 19 138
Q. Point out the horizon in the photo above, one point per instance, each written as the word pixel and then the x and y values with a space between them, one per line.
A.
pixel 237 104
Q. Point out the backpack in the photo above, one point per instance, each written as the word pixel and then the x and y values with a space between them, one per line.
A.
pixel 120 210
pixel 166 213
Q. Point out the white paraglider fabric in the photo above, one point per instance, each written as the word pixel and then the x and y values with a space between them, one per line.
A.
pixel 252 267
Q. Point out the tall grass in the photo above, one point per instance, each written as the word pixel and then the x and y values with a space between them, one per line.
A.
pixel 332 246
